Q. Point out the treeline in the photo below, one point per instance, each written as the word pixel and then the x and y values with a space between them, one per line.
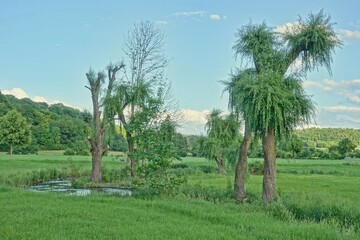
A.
pixel 316 143
pixel 54 127
pixel 327 137
pixel 59 127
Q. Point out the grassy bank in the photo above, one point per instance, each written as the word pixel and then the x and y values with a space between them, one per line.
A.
pixel 312 205
pixel 27 215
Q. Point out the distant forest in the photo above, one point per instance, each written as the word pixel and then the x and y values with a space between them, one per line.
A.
pixel 59 127
pixel 54 127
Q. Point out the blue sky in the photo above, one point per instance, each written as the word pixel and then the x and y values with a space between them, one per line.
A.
pixel 47 46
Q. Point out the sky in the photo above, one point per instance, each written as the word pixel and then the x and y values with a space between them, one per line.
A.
pixel 46 47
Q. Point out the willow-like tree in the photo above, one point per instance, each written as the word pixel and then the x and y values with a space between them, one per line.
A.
pixel 222 131
pixel 271 100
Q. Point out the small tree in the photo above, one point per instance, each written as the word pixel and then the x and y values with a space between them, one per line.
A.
pixel 345 146
pixel 14 130
pixel 221 133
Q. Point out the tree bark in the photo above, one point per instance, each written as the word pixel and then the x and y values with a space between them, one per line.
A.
pixel 96 141
pixel 131 158
pixel 220 165
pixel 96 147
pixel 240 170
pixel 269 180
pixel 96 172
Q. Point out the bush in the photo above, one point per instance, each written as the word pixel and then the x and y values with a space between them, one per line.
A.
pixel 207 169
pixel 69 152
pixel 28 149
pixel 256 168
pixel 179 165
pixel 160 183
pixel 335 155
pixel 83 152
pixel 211 194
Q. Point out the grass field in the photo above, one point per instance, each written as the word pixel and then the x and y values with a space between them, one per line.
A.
pixel 317 200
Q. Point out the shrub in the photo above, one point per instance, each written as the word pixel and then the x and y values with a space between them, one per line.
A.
pixel 179 165
pixel 256 168
pixel 28 149
pixel 207 169
pixel 69 152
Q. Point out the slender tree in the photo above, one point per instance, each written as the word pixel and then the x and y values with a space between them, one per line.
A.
pixel 240 169
pixel 221 133
pixel 267 99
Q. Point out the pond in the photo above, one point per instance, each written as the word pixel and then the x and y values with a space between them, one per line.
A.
pixel 64 186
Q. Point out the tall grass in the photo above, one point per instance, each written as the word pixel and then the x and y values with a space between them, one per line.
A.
pixel 27 215
pixel 317 204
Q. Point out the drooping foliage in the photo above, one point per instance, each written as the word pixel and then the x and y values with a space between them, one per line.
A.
pixel 313 41
pixel 222 132
pixel 272 101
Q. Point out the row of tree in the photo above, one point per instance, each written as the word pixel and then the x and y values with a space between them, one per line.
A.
pixel 267 95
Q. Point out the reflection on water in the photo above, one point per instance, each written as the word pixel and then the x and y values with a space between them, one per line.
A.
pixel 66 188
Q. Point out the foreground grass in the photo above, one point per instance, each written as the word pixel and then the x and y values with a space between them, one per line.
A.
pixel 28 215
pixel 315 202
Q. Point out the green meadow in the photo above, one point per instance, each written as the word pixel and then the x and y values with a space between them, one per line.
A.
pixel 318 199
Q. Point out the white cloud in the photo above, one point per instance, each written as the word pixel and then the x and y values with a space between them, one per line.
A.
pixel 17 92
pixel 339 116
pixel 351 97
pixel 287 27
pixel 215 17
pixel 350 34
pixel 161 22
pixel 20 93
pixel 189 14
pixel 192 121
pixel 329 85
pixel 311 84
pixel 194 116
pixel 342 109
pixel 39 99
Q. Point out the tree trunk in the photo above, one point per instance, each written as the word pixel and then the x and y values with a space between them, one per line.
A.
pixel 96 141
pixel 240 170
pixel 220 165
pixel 97 150
pixel 131 158
pixel 11 150
pixel 96 170
pixel 269 180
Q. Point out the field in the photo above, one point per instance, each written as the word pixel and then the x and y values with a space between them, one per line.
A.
pixel 317 200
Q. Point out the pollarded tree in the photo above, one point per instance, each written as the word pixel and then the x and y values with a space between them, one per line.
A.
pixel 271 94
pixel 14 130
pixel 100 100
pixel 221 133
